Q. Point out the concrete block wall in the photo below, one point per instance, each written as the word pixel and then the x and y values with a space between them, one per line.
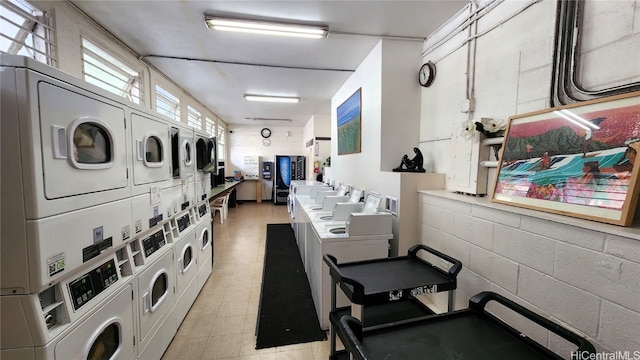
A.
pixel 584 277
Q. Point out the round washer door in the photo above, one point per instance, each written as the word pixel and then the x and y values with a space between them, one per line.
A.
pixel 106 334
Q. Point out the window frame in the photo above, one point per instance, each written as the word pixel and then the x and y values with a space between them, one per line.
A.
pixel 174 104
pixel 110 69
pixel 35 28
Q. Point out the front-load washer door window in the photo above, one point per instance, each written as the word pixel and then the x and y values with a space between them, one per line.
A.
pixel 106 344
pixel 82 139
pixel 159 290
pixel 187 259
pixel 91 145
pixel 153 151
pixel 204 239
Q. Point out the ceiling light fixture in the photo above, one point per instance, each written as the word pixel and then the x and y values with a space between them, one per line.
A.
pixel 266 28
pixel 267 119
pixel 280 99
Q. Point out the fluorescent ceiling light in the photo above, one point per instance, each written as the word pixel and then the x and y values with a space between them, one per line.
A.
pixel 267 119
pixel 266 28
pixel 281 99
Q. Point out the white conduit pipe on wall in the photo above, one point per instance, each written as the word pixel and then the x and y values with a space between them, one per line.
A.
pixel 461 27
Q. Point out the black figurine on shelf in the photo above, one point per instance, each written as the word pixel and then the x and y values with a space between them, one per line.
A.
pixel 411 165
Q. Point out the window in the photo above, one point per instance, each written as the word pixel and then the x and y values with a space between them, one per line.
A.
pixel 24 30
pixel 167 104
pixel 194 118
pixel 209 126
pixel 104 70
pixel 221 141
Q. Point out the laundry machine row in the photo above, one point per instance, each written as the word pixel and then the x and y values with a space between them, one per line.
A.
pixel 153 279
pixel 94 212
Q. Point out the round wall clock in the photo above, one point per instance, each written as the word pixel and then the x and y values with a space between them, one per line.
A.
pixel 266 142
pixel 427 74
pixel 265 133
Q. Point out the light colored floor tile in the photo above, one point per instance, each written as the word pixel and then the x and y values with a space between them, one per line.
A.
pixel 221 323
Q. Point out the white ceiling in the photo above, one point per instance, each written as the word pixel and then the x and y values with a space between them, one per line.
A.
pixel 218 68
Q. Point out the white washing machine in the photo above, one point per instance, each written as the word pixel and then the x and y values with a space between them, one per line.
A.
pixel 57 245
pixel 73 314
pixel 70 136
pixel 204 241
pixel 185 252
pixel 156 299
pixel 151 155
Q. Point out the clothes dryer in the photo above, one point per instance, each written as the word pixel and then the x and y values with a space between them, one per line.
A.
pixel 185 252
pixel 56 246
pixel 156 298
pixel 38 320
pixel 108 333
pixel 151 157
pixel 64 140
pixel 204 241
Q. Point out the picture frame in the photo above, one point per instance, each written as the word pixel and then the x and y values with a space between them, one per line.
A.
pixel 349 124
pixel 576 160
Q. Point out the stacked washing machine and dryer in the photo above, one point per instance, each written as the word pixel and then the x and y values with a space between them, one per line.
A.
pixel 106 227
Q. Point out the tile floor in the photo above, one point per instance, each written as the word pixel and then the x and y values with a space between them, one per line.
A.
pixel 221 323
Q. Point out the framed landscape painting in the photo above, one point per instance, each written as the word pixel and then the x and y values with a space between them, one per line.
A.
pixel 349 124
pixel 577 160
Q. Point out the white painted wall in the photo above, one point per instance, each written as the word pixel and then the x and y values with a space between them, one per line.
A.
pixel 582 274
pixel 245 140
pixel 389 117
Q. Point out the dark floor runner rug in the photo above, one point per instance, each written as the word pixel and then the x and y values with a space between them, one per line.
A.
pixel 286 314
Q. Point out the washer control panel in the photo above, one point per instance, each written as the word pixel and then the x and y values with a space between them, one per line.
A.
pixel 89 285
pixel 153 243
pixel 183 222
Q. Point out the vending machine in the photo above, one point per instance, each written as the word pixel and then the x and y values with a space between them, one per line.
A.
pixel 287 168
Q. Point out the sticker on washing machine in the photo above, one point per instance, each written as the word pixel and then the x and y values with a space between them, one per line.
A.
pixel 138 225
pixel 185 186
pixel 98 233
pixel 126 232
pixel 56 263
pixel 155 197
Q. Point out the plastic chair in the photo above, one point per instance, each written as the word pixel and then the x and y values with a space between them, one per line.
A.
pixel 220 204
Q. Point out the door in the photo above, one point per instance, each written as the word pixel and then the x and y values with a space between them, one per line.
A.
pixel 185 254
pixel 182 152
pixel 206 154
pixel 106 334
pixel 83 143
pixel 151 145
pixel 155 284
